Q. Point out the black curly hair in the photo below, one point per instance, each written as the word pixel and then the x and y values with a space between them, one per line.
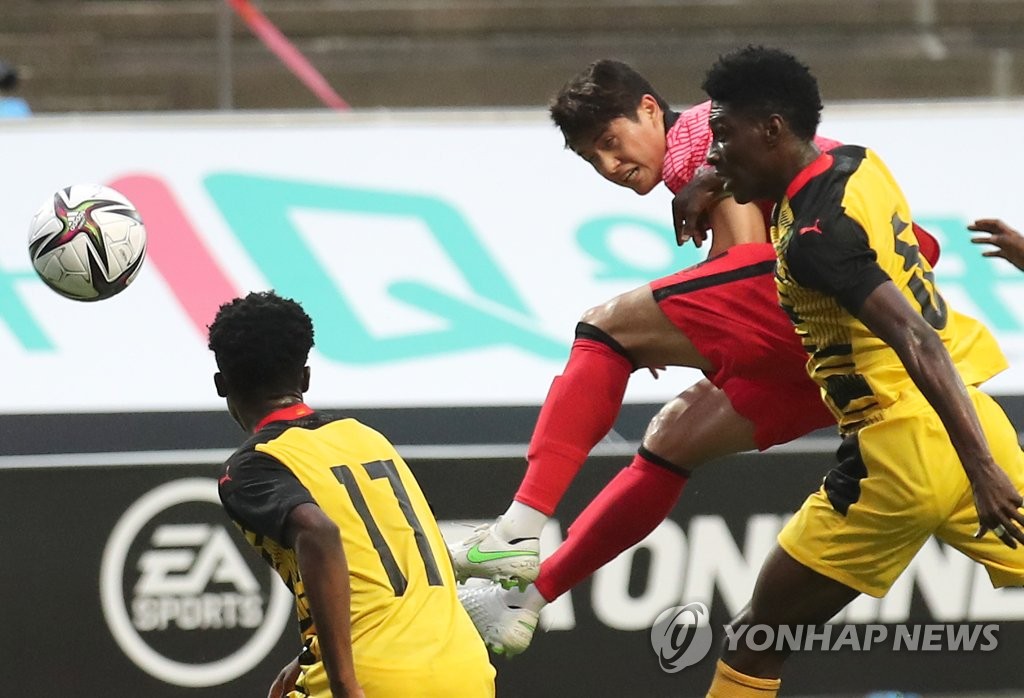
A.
pixel 762 81
pixel 261 342
pixel 605 90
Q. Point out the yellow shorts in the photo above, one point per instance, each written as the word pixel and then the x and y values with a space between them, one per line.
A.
pixel 899 481
pixel 445 679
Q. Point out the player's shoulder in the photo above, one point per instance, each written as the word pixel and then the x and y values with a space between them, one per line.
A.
pixel 850 159
pixel 344 428
pixel 275 430
pixel 861 169
pixel 831 171
pixel 693 119
pixel 338 421
pixel 247 454
pixel 697 111
pixel 847 158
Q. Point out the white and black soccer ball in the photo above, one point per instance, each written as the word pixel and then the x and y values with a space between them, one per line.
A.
pixel 87 242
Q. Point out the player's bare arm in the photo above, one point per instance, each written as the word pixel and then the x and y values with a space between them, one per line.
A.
pixel 1009 244
pixel 324 570
pixel 692 204
pixel 702 206
pixel 890 317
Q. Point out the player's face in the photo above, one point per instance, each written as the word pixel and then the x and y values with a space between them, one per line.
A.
pixel 739 153
pixel 629 152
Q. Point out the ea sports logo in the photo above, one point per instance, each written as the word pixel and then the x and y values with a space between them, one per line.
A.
pixel 174 584
pixel 681 636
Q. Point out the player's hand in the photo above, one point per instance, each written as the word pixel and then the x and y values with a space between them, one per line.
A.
pixel 693 203
pixel 999 505
pixel 285 680
pixel 1008 242
pixel 654 371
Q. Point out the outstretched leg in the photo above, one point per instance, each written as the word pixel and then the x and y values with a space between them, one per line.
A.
pixel 786 593
pixel 612 340
pixel 695 427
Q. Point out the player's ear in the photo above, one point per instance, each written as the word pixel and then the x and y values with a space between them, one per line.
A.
pixel 219 383
pixel 649 107
pixel 773 128
pixel 305 378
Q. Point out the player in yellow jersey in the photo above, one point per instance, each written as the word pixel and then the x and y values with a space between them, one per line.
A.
pixel 924 451
pixel 331 505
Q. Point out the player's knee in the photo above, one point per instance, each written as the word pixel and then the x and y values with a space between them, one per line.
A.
pixel 670 433
pixel 603 316
pixel 670 449
pixel 593 333
pixel 676 415
pixel 652 460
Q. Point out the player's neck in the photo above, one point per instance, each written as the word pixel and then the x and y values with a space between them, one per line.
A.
pixel 251 414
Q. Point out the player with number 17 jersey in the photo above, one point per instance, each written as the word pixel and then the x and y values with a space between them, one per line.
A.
pixel 407 625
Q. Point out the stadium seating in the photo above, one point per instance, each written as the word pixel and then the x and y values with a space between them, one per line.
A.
pixel 128 55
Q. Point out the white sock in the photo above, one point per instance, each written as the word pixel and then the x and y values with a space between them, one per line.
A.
pixel 521 521
pixel 530 599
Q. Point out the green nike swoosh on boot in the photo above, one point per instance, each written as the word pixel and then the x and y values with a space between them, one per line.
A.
pixel 477 556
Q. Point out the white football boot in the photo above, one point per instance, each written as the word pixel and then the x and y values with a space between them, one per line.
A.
pixel 487 555
pixel 506 630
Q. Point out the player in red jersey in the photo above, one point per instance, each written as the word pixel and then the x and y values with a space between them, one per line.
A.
pixel 1009 244
pixel 721 316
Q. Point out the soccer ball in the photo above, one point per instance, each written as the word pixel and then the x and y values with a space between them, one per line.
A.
pixel 87 242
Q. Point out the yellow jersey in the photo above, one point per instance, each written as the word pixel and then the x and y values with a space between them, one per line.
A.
pixel 405 615
pixel 842 229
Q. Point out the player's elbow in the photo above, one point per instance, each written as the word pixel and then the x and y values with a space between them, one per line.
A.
pixel 320 532
pixel 317 547
pixel 921 346
pixel 308 527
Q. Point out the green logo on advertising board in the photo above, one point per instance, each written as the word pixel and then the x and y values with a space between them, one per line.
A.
pixel 258 210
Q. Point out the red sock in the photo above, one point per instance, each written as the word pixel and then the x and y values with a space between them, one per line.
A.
pixel 623 513
pixel 580 408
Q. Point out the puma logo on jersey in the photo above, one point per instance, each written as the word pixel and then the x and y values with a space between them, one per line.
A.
pixel 812 228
